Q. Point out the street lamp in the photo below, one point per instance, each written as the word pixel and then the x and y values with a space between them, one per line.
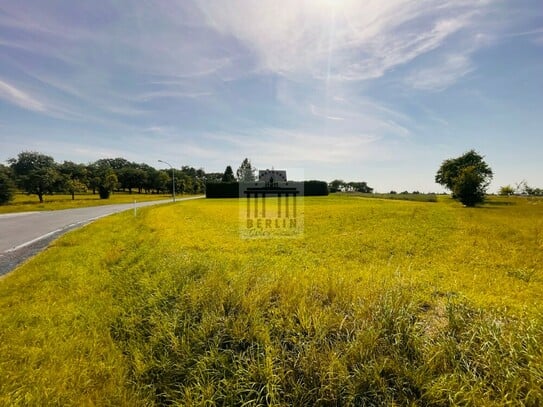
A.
pixel 173 177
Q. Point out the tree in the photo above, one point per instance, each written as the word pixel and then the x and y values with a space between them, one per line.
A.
pixel 246 172
pixel 104 178
pixel 7 186
pixel 468 187
pixel 74 177
pixel 507 190
pixel 524 189
pixel 336 185
pixel 467 177
pixel 228 175
pixel 108 182
pixel 128 178
pixel 360 187
pixel 213 177
pixel 161 181
pixel 35 173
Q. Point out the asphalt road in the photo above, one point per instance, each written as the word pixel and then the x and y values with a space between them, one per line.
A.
pixel 24 234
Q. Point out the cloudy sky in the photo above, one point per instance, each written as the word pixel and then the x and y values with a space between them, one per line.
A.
pixel 379 91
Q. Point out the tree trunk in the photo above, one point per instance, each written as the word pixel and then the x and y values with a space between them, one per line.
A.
pixel 73 195
pixel 40 195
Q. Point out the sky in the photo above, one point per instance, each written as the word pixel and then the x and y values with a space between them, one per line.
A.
pixel 375 91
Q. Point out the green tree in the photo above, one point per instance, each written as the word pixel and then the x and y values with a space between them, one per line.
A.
pixel 7 186
pixel 467 177
pixel 507 190
pixel 128 178
pixel 161 181
pixel 104 177
pixel 35 173
pixel 74 177
pixel 246 172
pixel 213 177
pixel 108 182
pixel 360 187
pixel 337 185
pixel 228 175
pixel 468 187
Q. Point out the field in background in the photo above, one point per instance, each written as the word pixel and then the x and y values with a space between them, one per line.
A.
pixel 380 302
pixel 25 203
pixel 399 197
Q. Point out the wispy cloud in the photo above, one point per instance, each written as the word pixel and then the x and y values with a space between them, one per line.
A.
pixel 286 146
pixel 536 33
pixel 17 97
pixel 360 40
pixel 171 94
pixel 315 112
pixel 442 74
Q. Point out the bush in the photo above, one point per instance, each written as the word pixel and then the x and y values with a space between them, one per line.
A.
pixel 222 190
pixel 468 187
pixel 315 188
pixel 104 192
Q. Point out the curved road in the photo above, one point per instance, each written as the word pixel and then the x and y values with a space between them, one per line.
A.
pixel 24 234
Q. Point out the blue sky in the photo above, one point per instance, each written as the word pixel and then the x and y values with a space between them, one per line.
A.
pixel 376 91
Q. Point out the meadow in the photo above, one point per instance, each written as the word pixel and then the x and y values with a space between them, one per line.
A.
pixel 379 302
pixel 399 197
pixel 25 203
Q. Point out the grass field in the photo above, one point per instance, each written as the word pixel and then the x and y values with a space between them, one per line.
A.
pixel 379 303
pixel 24 202
pixel 399 197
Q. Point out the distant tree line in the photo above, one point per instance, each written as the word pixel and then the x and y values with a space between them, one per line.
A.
pixel 521 188
pixel 339 185
pixel 232 189
pixel 39 174
pixel 226 185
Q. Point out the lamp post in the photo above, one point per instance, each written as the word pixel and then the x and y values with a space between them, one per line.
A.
pixel 173 177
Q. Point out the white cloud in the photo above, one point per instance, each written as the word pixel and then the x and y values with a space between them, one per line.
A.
pixel 538 40
pixel 343 39
pixel 287 146
pixel 171 94
pixel 442 75
pixel 19 98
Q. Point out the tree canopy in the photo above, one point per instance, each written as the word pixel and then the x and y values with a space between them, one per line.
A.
pixel 338 185
pixel 467 177
pixel 246 172
pixel 35 173
pixel 228 175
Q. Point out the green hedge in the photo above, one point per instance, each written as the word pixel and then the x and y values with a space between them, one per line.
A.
pixel 231 189
pixel 222 190
pixel 315 188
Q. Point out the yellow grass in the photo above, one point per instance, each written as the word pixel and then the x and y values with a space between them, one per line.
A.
pixel 378 303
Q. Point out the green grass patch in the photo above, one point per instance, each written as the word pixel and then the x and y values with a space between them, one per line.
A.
pixel 379 303
pixel 26 203
pixel 399 197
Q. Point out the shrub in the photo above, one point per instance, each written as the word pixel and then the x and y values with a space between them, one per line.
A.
pixel 315 188
pixel 222 190
pixel 468 187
